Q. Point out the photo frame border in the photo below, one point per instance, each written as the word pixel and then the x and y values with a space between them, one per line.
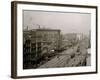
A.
pixel 14 37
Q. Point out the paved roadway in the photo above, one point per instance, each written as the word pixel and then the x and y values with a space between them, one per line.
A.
pixel 64 59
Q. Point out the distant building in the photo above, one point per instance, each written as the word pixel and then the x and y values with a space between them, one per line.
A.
pixel 80 36
pixel 71 39
pixel 37 42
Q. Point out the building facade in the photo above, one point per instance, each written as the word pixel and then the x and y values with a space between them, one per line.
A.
pixel 38 43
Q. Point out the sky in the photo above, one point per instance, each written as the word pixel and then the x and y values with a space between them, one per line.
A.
pixel 65 21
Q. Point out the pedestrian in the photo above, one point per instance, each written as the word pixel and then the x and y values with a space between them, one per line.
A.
pixel 58 56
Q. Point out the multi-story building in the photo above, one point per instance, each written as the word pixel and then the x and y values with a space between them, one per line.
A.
pixel 38 42
pixel 70 39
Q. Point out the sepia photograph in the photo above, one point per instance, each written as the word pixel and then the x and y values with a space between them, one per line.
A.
pixel 56 39
pixel 53 39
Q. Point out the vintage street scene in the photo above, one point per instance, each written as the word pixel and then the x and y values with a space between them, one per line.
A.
pixel 56 39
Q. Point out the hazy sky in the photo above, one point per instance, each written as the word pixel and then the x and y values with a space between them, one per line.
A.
pixel 66 22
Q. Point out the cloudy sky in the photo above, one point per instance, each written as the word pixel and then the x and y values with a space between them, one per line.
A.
pixel 66 22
